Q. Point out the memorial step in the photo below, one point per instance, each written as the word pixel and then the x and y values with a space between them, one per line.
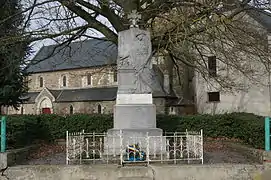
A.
pixel 135 178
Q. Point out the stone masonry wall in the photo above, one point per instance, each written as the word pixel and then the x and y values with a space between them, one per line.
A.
pixel 114 172
pixel 82 107
pixel 76 78
pixel 26 108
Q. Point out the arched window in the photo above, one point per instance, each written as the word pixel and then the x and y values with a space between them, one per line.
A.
pixel 22 110
pixel 115 76
pixel 89 79
pixel 64 81
pixel 172 110
pixel 99 109
pixel 41 81
pixel 71 109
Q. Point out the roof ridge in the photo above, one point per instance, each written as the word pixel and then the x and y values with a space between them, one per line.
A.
pixel 79 41
pixel 101 87
pixel 80 54
pixel 59 95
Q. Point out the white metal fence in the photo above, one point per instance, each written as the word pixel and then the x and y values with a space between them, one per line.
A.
pixel 82 148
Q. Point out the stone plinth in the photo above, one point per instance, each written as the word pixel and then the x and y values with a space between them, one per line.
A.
pixel 134 99
pixel 134 112
pixel 3 160
pixel 134 116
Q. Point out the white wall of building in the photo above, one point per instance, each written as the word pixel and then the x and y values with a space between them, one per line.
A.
pixel 255 99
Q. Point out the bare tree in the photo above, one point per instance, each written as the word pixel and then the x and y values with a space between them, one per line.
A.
pixel 188 31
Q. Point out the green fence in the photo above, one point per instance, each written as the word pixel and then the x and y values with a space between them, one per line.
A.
pixel 3 133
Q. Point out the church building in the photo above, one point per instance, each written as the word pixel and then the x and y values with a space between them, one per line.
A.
pixel 80 78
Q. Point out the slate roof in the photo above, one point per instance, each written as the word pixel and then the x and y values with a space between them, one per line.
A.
pixel 82 54
pixel 262 17
pixel 89 94
pixel 55 93
pixel 85 94
pixel 31 96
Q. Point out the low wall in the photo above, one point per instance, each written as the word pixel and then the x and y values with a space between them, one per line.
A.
pixel 111 172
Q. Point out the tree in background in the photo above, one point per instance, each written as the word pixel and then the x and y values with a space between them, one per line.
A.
pixel 12 55
pixel 183 30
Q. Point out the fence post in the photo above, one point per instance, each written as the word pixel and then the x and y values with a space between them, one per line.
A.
pixel 202 154
pixel 267 133
pixel 3 134
pixel 67 147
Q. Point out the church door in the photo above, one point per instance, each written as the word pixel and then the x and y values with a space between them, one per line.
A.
pixel 46 111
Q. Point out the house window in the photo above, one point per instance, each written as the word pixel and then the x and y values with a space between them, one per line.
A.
pixel 213 96
pixel 89 79
pixel 64 81
pixel 99 109
pixel 71 109
pixel 115 76
pixel 41 81
pixel 212 66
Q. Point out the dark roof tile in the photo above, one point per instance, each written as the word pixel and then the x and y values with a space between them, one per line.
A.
pixel 262 17
pixel 90 94
pixel 82 54
pixel 85 94
pixel 31 96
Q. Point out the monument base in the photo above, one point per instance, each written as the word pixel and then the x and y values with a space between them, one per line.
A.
pixel 3 160
pixel 134 116
pixel 151 140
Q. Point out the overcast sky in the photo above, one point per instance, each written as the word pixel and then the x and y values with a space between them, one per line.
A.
pixel 42 14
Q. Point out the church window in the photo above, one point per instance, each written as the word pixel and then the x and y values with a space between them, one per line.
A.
pixel 172 110
pixel 115 76
pixel 89 79
pixel 71 109
pixel 22 110
pixel 99 109
pixel 41 81
pixel 64 81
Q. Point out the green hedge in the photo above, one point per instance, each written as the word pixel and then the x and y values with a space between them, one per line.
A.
pixel 25 129
pixel 244 126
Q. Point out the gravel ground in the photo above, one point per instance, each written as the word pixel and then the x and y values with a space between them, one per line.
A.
pixel 54 159
pixel 215 151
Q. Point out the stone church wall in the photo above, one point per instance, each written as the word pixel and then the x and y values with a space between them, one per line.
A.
pixel 84 107
pixel 76 78
pixel 23 109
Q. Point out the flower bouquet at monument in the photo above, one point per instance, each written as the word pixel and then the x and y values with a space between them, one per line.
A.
pixel 134 153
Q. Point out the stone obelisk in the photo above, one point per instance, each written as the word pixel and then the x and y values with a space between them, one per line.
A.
pixel 134 112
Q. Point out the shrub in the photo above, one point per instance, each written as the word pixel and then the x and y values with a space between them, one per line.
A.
pixel 244 126
pixel 21 130
pixel 25 129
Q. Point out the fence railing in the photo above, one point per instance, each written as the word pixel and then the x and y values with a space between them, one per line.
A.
pixel 175 147
pixel 3 134
pixel 267 133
